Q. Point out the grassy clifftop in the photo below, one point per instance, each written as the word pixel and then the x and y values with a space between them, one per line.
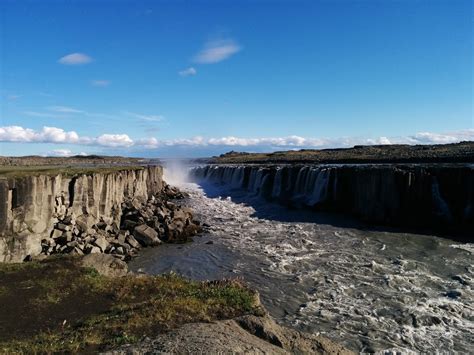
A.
pixel 58 306
pixel 67 170
pixel 442 153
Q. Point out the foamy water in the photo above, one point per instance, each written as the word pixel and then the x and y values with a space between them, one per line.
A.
pixel 369 290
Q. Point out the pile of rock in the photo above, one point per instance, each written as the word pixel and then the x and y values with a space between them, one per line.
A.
pixel 141 225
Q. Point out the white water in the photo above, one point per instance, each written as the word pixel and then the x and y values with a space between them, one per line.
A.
pixel 369 290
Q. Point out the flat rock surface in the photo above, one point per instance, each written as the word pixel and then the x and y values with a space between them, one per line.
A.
pixel 105 264
pixel 247 334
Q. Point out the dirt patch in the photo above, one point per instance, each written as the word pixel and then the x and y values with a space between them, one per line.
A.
pixel 45 297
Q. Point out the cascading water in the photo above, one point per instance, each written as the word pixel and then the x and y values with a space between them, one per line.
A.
pixel 410 196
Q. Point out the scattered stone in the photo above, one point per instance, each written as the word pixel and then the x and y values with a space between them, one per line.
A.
pixel 56 233
pixel 143 223
pixel 146 236
pixel 133 242
pixel 92 249
pixel 101 242
pixel 63 227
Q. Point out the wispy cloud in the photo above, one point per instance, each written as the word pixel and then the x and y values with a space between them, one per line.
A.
pixel 60 136
pixel 12 97
pixel 64 109
pixel 75 59
pixel 100 83
pixel 188 72
pixel 44 114
pixel 147 118
pixel 217 51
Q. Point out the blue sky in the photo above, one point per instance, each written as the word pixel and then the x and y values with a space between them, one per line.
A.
pixel 197 78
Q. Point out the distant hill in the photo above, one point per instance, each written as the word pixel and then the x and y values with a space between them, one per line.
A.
pixel 439 153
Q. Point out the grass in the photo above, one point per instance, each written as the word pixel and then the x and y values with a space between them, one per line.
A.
pixel 57 306
pixel 22 171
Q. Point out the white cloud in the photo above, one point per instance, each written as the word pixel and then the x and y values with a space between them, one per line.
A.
pixel 148 142
pixel 114 140
pixel 60 136
pixel 379 141
pixel 62 153
pixel 46 135
pixel 64 109
pixel 75 59
pixel 13 97
pixel 100 83
pixel 436 138
pixel 188 72
pixel 217 51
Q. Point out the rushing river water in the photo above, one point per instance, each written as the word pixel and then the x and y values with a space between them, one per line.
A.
pixel 369 290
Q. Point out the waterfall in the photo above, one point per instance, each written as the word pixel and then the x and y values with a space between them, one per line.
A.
pixel 277 184
pixel 309 188
pixel 320 187
pixel 237 179
pixel 440 206
pixel 379 194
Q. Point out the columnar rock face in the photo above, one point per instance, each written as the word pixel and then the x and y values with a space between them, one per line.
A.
pixel 31 206
pixel 436 196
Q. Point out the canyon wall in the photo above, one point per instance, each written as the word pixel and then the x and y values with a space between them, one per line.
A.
pixel 436 197
pixel 31 205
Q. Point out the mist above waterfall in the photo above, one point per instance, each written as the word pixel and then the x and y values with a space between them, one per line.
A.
pixel 176 171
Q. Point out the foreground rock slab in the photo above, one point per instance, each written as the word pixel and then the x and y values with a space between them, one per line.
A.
pixel 242 335
pixel 105 264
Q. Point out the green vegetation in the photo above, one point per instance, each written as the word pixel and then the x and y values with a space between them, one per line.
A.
pixel 57 306
pixel 22 171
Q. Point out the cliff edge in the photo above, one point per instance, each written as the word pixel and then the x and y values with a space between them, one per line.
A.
pixel 32 203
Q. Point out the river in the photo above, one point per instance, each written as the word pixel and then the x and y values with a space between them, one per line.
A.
pixel 366 288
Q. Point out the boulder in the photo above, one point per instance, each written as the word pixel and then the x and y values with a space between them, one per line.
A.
pixel 56 233
pixel 105 264
pixel 92 249
pixel 101 242
pixel 132 241
pixel 63 227
pixel 84 222
pixel 146 236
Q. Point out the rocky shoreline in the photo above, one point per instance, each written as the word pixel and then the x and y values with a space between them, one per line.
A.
pixel 142 224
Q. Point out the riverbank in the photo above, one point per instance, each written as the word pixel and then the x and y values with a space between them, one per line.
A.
pixel 58 305
pixel 64 304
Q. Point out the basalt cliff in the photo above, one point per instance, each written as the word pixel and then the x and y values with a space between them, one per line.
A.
pixel 431 197
pixel 111 210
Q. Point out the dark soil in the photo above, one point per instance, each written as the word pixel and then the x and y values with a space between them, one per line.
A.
pixel 39 299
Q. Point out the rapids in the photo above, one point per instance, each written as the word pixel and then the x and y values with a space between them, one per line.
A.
pixel 369 289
